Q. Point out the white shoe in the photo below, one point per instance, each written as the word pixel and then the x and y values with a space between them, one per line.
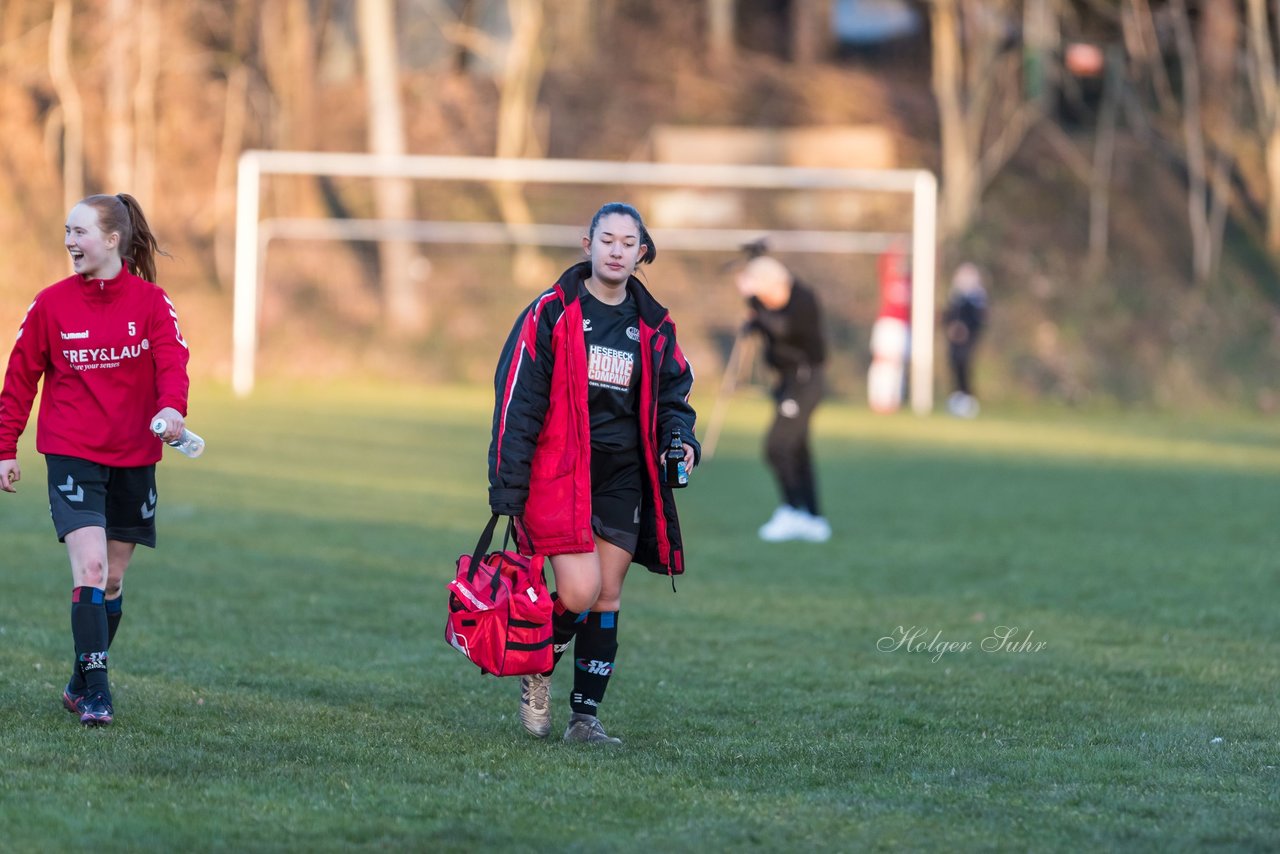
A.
pixel 816 529
pixel 535 704
pixel 786 523
pixel 587 729
pixel 962 405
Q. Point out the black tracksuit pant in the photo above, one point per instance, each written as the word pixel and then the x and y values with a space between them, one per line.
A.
pixel 787 443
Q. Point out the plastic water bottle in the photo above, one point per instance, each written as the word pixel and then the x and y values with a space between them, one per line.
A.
pixel 677 473
pixel 188 443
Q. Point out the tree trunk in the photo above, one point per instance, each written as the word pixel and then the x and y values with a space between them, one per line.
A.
pixel 69 99
pixel 521 78
pixel 1219 47
pixel 1262 67
pixel 119 112
pixel 234 112
pixel 1042 40
pixel 403 307
pixel 289 58
pixel 959 165
pixel 720 31
pixel 1103 161
pixel 1143 44
pixel 1273 183
pixel 144 102
pixel 574 25
pixel 810 30
pixel 13 23
pixel 1199 188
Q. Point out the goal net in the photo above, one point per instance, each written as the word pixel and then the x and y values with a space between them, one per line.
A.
pixel 828 225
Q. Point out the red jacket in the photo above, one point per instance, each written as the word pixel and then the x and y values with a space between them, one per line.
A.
pixel 895 284
pixel 540 454
pixel 111 355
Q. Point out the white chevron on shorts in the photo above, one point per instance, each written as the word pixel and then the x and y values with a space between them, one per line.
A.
pixel 66 488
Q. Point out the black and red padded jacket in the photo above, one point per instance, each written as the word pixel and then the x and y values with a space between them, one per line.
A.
pixel 540 452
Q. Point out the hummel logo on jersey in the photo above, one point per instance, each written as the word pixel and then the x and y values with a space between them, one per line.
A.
pixel 75 336
pixel 586 324
pixel 633 333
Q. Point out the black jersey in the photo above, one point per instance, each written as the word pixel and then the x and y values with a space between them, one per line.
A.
pixel 612 335
pixel 793 333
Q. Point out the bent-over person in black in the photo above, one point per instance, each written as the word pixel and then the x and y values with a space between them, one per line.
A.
pixel 788 316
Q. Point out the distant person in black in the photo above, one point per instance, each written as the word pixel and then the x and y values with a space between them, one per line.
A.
pixel 963 320
pixel 786 313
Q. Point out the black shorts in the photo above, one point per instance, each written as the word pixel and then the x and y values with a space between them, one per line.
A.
pixel 615 497
pixel 88 495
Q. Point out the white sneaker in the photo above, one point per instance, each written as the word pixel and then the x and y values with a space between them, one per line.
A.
pixel 535 704
pixel 963 405
pixel 816 529
pixel 786 523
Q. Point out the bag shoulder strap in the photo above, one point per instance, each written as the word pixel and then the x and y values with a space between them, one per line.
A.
pixel 482 546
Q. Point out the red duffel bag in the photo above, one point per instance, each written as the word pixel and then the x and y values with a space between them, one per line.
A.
pixel 500 610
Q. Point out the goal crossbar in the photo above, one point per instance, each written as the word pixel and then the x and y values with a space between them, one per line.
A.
pixel 252 233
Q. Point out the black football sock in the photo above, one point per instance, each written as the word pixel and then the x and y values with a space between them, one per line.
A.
pixel 89 632
pixel 75 685
pixel 594 652
pixel 115 611
pixel 564 625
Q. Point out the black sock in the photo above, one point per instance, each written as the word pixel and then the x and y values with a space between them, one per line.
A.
pixel 594 652
pixel 115 611
pixel 89 632
pixel 564 625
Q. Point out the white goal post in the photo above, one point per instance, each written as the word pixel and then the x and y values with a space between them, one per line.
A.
pixel 253 234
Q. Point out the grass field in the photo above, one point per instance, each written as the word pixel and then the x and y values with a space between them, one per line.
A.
pixel 281 680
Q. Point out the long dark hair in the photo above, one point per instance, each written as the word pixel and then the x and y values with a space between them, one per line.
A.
pixel 650 251
pixel 123 215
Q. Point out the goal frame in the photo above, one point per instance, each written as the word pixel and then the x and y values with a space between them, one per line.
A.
pixel 253 234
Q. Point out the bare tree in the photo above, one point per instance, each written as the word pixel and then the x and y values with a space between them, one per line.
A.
pixel 119 81
pixel 1265 80
pixel 1103 162
pixel 71 110
pixel 235 111
pixel 574 24
pixel 983 116
pixel 1146 60
pixel 522 73
pixel 287 50
pixel 811 35
pixel 133 69
pixel 720 30
pixel 1208 171
pixel 149 28
pixel 403 307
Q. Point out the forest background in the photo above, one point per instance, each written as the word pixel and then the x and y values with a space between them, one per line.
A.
pixel 1114 167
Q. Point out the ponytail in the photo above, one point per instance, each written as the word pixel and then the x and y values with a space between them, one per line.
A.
pixel 123 215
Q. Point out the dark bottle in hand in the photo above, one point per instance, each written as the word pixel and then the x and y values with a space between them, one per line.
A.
pixel 675 471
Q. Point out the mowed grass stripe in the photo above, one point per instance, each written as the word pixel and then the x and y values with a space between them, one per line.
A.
pixel 282 682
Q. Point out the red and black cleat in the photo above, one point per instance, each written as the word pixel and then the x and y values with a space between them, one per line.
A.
pixel 95 710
